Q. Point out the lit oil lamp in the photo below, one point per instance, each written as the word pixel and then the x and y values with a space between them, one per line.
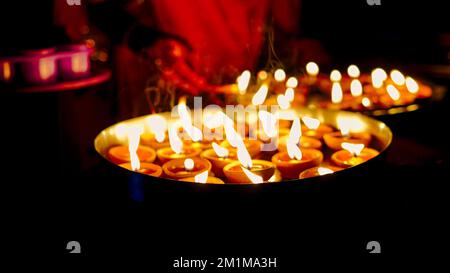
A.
pixel 318 171
pixel 295 160
pixel 312 70
pixel 185 167
pixel 357 136
pixel 352 155
pixel 135 158
pixel 305 142
pixel 219 157
pixel 252 145
pixel 246 170
pixel 122 154
pixel 203 178
pixel 156 135
pixel 312 127
pixel 176 149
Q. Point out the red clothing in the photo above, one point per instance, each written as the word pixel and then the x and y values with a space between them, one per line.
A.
pixel 226 35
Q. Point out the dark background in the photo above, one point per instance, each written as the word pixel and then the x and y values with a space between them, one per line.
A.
pixel 52 196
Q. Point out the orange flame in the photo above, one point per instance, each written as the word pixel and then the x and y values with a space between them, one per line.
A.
pixel 220 151
pixel 293 140
pixel 260 95
pixel 353 148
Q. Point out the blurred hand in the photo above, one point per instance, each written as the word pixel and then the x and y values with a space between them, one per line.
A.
pixel 171 57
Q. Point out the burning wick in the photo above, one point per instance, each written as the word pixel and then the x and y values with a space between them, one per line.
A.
pixel 324 171
pixel 311 123
pixel 242 81
pixel 354 149
pixel 289 94
pixel 366 102
pixel 293 150
pixel 411 85
pixel 378 77
pixel 393 92
pixel 292 82
pixel 283 102
pixel 279 75
pixel 189 165
pixel 335 76
pixel 336 93
pixel 260 95
pixel 220 151
pixel 312 69
pixel 201 177
pixel 353 71
pixel 356 88
pixel 397 77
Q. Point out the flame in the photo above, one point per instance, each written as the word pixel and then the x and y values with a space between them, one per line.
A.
pixel 260 95
pixel 324 171
pixel 262 75
pixel 312 69
pixel 412 85
pixel 347 124
pixel 231 135
pixel 283 102
pixel 189 164
pixel 158 126
pixel 269 123
pixel 393 92
pixel 378 77
pixel 311 123
pixel 256 179
pixel 336 93
pixel 186 122
pixel 397 77
pixel 353 71
pixel 213 119
pixel 293 140
pixel 289 94
pixel 356 88
pixel 220 151
pixel 366 102
pixel 174 140
pixel 134 134
pixel 354 149
pixel 201 177
pixel 292 82
pixel 335 75
pixel 279 75
pixel 243 80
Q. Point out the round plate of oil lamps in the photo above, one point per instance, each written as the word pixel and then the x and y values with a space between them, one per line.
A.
pixel 319 143
pixel 379 93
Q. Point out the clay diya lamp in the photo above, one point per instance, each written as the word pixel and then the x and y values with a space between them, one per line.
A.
pixel 121 154
pixel 290 167
pixel 185 167
pixel 167 154
pixel 334 140
pixel 145 168
pixel 318 171
pixel 352 155
pixel 219 157
pixel 235 172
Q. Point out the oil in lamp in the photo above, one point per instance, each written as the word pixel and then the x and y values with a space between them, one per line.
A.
pixel 121 154
pixel 185 167
pixel 357 136
pixel 295 160
pixel 135 164
pixel 312 127
pixel 203 178
pixel 219 157
pixel 352 155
